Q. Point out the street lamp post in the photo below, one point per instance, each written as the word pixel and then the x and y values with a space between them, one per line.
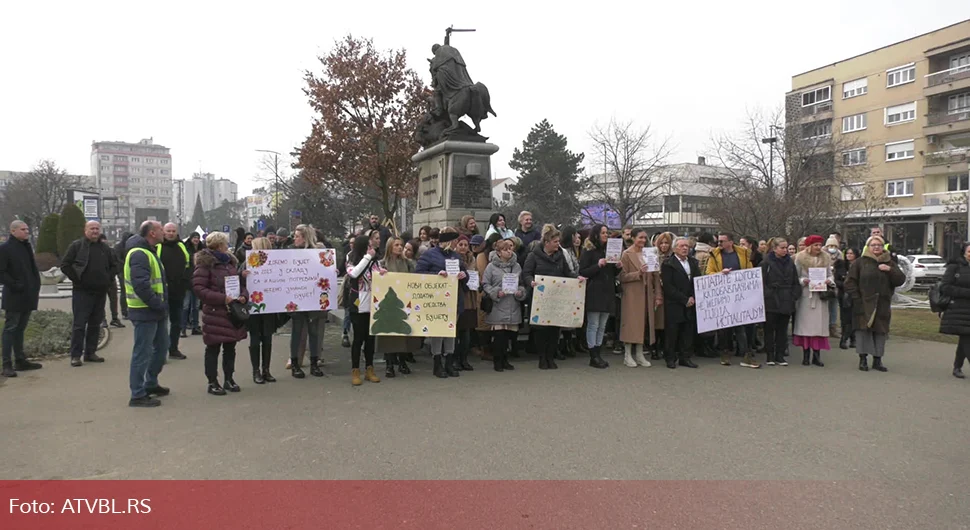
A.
pixel 276 175
pixel 771 141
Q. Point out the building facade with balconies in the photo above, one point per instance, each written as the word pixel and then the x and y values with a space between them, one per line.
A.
pixel 131 176
pixel 905 109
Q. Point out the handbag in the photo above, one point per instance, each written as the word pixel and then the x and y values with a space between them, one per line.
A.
pixel 939 302
pixel 487 303
pixel 238 314
pixel 827 294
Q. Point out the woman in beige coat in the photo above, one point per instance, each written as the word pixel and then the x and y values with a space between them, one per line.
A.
pixel 642 296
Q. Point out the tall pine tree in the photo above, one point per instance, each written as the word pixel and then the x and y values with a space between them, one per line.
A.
pixel 550 176
pixel 198 215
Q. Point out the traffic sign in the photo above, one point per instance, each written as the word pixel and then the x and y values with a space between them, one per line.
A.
pixel 261 224
pixel 225 228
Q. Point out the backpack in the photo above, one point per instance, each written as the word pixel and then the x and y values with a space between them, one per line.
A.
pixel 939 302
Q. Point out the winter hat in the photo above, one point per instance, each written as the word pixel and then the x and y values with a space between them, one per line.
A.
pixel 812 239
pixel 445 237
pixel 477 240
pixel 832 242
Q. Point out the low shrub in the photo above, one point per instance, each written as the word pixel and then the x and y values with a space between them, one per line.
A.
pixel 48 333
pixel 46 260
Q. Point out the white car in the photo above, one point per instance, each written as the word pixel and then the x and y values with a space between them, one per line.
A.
pixel 927 268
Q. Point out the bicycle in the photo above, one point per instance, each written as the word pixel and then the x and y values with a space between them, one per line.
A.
pixel 104 336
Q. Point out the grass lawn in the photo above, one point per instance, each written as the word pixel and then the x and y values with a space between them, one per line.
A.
pixel 918 324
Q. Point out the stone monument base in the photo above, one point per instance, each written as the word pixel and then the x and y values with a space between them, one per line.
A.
pixel 454 180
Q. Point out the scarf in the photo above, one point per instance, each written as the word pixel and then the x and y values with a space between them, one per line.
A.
pixel 885 257
pixel 221 256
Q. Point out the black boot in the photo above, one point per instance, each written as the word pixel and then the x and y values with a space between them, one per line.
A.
pixel 852 341
pixel 877 364
pixel 595 360
pixel 402 358
pixel 497 362
pixel 268 377
pixel 543 362
pixel 506 365
pixel 817 358
pixel 451 366
pixel 258 376
pixel 463 363
pixel 806 355
pixel 439 370
pixel 551 362
pixel 581 346
pixel 296 370
pixel 863 363
pixel 315 370
pixel 655 352
pixel 844 343
pixel 389 359
pixel 560 353
pixel 570 348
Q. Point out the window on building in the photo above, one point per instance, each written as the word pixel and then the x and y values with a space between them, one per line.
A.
pixel 120 168
pixel 105 168
pixel 136 170
pixel 899 188
pixel 900 113
pixel 163 161
pixel 135 160
pixel 105 157
pixel 900 150
pixel 958 103
pixel 855 157
pixel 163 171
pixel 856 122
pixel 121 158
pixel 901 75
pixel 150 171
pixel 506 197
pixel 818 95
pixel 853 192
pixel 149 160
pixel 958 182
pixel 961 62
pixel 817 129
pixel 855 88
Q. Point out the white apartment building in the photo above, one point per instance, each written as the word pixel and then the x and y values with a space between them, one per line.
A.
pixel 257 205
pixel 212 190
pixel 131 176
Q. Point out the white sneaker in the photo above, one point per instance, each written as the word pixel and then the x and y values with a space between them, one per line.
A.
pixel 641 360
pixel 782 363
pixel 770 363
pixel 628 356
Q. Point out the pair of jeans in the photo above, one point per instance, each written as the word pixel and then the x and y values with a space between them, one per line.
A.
pixel 442 345
pixel 148 355
pixel 190 311
pixel 463 341
pixel 88 310
pixel 363 338
pixel 14 325
pixel 174 323
pixel 833 312
pixel 306 322
pixel 740 336
pixel 776 335
pixel 346 323
pixel 212 361
pixel 261 329
pixel 595 328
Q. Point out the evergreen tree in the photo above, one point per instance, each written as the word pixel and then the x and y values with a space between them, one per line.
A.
pixel 198 215
pixel 70 227
pixel 390 316
pixel 47 240
pixel 550 176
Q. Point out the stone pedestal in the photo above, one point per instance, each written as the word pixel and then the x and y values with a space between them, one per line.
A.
pixel 454 180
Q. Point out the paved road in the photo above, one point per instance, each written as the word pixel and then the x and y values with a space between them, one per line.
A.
pixel 902 435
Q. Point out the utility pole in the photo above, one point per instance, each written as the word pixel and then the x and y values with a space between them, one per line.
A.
pixel 276 176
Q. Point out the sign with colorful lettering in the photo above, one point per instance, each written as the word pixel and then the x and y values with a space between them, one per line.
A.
pixel 729 300
pixel 414 305
pixel 558 302
pixel 291 280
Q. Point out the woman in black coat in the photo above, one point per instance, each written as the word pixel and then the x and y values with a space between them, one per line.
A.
pixel 782 290
pixel 600 289
pixel 546 260
pixel 840 270
pixel 956 318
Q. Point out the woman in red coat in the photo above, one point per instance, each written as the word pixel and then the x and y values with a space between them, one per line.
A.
pixel 212 266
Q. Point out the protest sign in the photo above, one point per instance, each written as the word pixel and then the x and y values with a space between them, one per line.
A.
pixel 473 281
pixel 558 302
pixel 816 279
pixel 291 280
pixel 414 305
pixel 729 300
pixel 614 249
pixel 232 286
pixel 510 283
pixel 452 267
pixel 651 258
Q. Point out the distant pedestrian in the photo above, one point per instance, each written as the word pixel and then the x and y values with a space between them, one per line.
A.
pixel 21 292
pixel 956 318
pixel 89 264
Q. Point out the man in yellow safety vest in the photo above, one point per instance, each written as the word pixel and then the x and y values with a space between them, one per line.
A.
pixel 147 295
pixel 175 259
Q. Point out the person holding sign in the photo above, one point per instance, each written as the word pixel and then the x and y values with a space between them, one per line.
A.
pixel 357 297
pixel 570 242
pixel 212 266
pixel 434 261
pixel 467 313
pixel 308 326
pixel 595 265
pixel 506 311
pixel 782 290
pixel 396 348
pixel 642 296
pixel 546 260
pixel 261 329
pixel 677 279
pixel 663 242
pixel 812 310
pixel 725 258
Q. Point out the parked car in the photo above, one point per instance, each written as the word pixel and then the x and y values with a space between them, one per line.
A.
pixel 927 268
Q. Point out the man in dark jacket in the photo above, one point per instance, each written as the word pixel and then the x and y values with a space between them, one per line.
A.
pixel 175 258
pixel 782 291
pixel 680 311
pixel 21 291
pixel 120 252
pixel 384 231
pixel 88 263
pixel 113 288
pixel 147 293
pixel 245 246
pixel 527 233
pixel 190 305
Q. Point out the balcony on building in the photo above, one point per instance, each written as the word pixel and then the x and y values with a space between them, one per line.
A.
pixel 949 67
pixel 945 162
pixel 948 113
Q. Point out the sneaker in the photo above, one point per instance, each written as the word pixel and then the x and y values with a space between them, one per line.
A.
pixel 770 363
pixel 158 391
pixel 93 358
pixel 184 334
pixel 196 331
pixel 782 363
pixel 144 401
pixel 115 323
pixel 345 342
pixel 76 361
pixel 9 372
pixel 177 355
pixel 24 366
pixel 749 362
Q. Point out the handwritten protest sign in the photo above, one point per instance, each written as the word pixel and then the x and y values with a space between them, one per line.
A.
pixel 415 305
pixel 510 283
pixel 453 267
pixel 614 248
pixel 473 281
pixel 232 286
pixel 291 280
pixel 558 302
pixel 651 258
pixel 816 279
pixel 729 300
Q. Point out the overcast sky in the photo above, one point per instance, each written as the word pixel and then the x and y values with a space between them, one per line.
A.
pixel 216 80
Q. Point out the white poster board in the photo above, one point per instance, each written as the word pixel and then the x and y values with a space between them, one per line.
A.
pixel 816 279
pixel 558 302
pixel 614 249
pixel 510 283
pixel 729 300
pixel 232 286
pixel 291 280
pixel 651 258
pixel 473 282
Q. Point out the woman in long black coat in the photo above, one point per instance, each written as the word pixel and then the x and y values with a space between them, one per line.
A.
pixel 840 271
pixel 956 318
pixel 871 282
pixel 600 289
pixel 782 290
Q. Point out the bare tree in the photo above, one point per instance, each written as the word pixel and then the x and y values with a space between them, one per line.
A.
pixel 792 180
pixel 36 194
pixel 634 166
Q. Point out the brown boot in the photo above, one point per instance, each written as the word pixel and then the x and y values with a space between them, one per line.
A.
pixel 371 376
pixel 355 377
pixel 725 358
pixel 834 331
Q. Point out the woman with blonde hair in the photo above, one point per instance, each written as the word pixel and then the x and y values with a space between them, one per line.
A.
pixel 261 329
pixel 434 261
pixel 395 349
pixel 467 226
pixel 308 326
pixel 812 308
pixel 664 243
pixel 871 282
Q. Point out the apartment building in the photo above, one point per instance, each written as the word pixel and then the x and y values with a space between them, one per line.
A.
pixel 131 176
pixel 905 108
pixel 213 192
